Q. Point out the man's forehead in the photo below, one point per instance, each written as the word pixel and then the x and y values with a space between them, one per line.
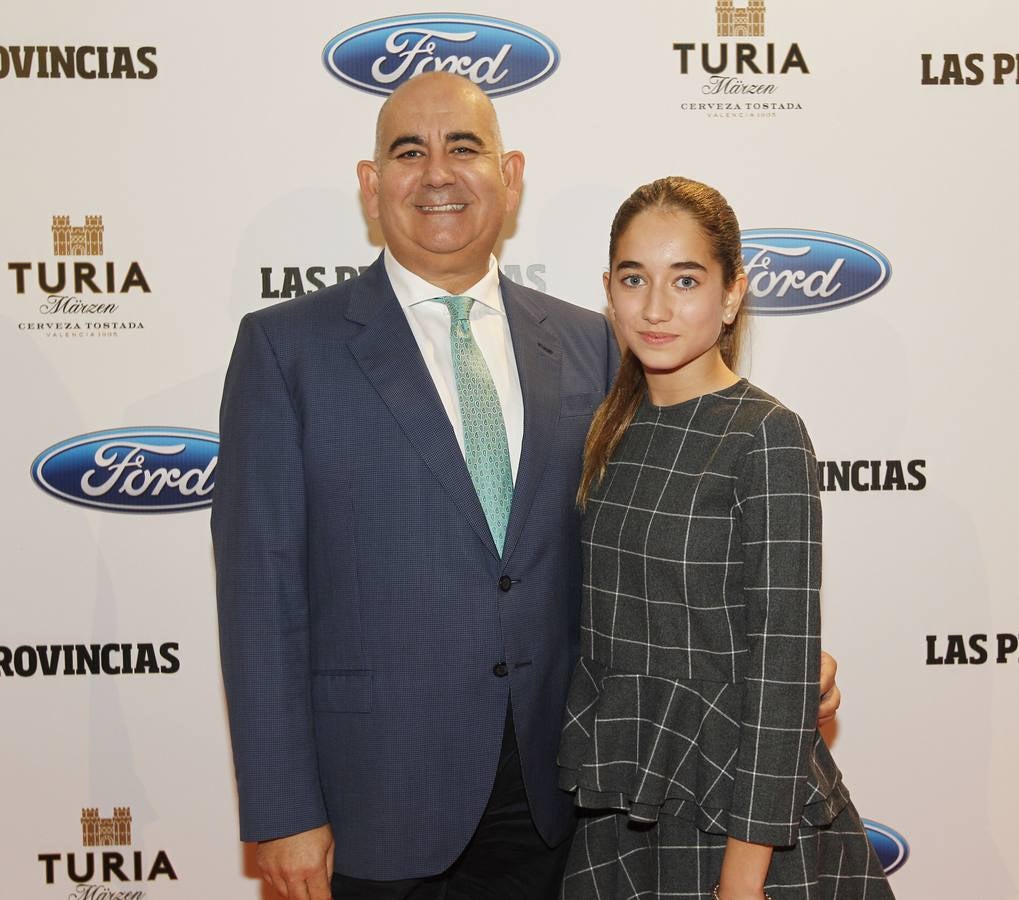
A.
pixel 437 118
pixel 438 102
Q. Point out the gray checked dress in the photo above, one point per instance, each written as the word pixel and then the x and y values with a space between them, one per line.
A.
pixel 691 714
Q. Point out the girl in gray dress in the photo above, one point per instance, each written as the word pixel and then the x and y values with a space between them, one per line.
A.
pixel 690 735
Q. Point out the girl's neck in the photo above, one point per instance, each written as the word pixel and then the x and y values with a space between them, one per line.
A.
pixel 704 375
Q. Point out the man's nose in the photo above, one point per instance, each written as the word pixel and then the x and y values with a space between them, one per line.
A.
pixel 438 172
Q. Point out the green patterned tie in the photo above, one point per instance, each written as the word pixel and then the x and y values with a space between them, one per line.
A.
pixel 485 446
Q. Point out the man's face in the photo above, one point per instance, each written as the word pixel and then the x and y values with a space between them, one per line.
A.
pixel 440 187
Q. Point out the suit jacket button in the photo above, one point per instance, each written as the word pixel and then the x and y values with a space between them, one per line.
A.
pixel 505 583
pixel 499 670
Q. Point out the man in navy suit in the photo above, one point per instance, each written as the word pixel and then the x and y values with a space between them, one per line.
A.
pixel 395 663
pixel 372 632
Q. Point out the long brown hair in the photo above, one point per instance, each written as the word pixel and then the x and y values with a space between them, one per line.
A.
pixel 718 223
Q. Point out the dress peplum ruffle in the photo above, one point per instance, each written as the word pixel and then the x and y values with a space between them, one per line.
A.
pixel 651 746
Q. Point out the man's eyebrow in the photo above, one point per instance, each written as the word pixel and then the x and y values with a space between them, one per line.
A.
pixel 414 139
pixel 455 136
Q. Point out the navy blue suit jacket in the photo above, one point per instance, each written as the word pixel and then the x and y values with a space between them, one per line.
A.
pixel 363 606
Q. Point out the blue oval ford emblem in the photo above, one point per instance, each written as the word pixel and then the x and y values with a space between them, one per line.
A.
pixel 132 469
pixel 890 846
pixel 793 270
pixel 500 57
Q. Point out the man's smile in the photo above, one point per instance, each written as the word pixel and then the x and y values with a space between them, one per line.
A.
pixel 442 208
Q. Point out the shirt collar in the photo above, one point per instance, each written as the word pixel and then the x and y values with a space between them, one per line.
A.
pixel 411 289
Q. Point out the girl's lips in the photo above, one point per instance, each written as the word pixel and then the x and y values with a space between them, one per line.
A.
pixel 657 337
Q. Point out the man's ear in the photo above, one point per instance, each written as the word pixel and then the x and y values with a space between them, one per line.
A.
pixel 513 177
pixel 368 178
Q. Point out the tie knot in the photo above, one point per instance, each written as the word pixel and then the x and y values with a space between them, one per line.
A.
pixel 459 307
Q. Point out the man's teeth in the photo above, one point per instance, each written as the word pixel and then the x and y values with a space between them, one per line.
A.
pixel 445 207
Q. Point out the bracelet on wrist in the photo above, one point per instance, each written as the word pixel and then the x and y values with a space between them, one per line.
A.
pixel 714 893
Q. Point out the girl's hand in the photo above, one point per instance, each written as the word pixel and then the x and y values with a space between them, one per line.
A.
pixel 752 895
pixel 725 893
pixel 744 871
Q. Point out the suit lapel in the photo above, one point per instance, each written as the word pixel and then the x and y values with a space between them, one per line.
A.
pixel 389 357
pixel 539 359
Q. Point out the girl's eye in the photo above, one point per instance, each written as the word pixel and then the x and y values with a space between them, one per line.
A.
pixel 633 280
pixel 686 282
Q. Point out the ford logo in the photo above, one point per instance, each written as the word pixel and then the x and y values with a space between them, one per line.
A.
pixel 792 270
pixel 132 469
pixel 890 846
pixel 500 57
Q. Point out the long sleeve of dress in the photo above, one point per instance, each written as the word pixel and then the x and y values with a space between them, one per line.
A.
pixel 780 515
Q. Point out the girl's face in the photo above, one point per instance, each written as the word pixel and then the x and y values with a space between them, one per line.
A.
pixel 668 299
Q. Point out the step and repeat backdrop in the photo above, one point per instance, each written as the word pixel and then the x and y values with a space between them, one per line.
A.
pixel 166 171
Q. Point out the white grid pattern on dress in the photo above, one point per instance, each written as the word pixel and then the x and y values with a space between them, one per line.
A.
pixel 697 694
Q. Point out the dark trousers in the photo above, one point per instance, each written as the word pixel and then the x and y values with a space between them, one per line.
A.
pixel 506 858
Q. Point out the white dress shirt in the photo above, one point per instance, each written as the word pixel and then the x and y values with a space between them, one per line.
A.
pixel 430 325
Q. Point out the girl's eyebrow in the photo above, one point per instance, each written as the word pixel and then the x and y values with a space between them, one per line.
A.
pixel 682 264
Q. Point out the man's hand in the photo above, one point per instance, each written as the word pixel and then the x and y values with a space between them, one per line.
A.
pixel 831 696
pixel 300 866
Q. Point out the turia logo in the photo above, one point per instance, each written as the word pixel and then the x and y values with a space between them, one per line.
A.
pixel 132 469
pixel 500 57
pixel 93 872
pixel 793 270
pixel 743 79
pixel 890 846
pixel 79 294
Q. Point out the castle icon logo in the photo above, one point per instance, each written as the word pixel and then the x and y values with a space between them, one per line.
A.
pixel 740 21
pixel 112 832
pixel 78 240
